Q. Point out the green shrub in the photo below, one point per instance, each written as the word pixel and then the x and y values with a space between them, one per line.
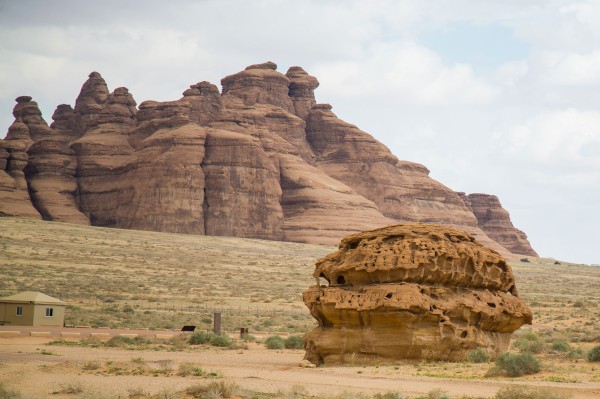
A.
pixel 529 342
pixel 594 354
pixel 294 342
pixel 517 365
pixel 521 392
pixel 478 355
pixel 200 338
pixel 222 341
pixel 275 342
pixel 561 346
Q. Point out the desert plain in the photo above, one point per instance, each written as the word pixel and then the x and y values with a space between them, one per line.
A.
pixel 122 280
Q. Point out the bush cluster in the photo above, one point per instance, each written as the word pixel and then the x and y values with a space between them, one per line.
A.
pixel 594 354
pixel 529 342
pixel 294 342
pixel 275 342
pixel 202 338
pixel 518 365
pixel 478 355
pixel 291 342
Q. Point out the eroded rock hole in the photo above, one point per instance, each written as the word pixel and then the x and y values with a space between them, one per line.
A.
pixel 491 305
pixel 463 334
pixel 389 296
pixel 341 280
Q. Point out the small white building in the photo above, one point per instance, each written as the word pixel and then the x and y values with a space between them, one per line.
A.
pixel 29 308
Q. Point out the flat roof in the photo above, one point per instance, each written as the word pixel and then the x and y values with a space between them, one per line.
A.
pixel 32 296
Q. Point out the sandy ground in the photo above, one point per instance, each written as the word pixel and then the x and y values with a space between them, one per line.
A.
pixel 23 367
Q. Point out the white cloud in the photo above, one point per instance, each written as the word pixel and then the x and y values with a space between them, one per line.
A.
pixel 574 69
pixel 560 137
pixel 404 72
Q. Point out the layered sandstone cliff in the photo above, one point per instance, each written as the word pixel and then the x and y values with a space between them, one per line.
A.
pixel 260 159
pixel 411 291
pixel 495 222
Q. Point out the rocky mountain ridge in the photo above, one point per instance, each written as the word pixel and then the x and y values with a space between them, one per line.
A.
pixel 259 159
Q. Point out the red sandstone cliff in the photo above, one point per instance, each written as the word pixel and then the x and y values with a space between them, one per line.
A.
pixel 260 159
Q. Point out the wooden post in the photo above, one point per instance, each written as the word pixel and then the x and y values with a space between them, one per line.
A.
pixel 217 323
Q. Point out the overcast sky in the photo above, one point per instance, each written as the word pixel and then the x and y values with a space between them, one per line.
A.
pixel 499 97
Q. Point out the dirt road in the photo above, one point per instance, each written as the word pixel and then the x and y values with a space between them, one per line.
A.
pixel 37 370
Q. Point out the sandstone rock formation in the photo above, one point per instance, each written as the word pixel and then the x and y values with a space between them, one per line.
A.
pixel 495 222
pixel 411 291
pixel 259 159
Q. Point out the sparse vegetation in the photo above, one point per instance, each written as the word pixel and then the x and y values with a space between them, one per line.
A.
pixel 529 342
pixel 160 283
pixel 521 392
pixel 7 393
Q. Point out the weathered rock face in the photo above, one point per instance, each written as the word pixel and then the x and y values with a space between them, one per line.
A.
pixel 260 159
pixel 14 195
pixel 401 190
pixel 495 222
pixel 411 291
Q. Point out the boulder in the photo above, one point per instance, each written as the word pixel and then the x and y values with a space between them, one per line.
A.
pixel 411 291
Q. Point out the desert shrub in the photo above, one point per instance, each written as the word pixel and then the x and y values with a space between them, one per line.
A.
pixel 187 368
pixel 579 304
pixel 529 342
pixel 118 341
pixel 388 395
pixel 594 354
pixel 294 342
pixel 275 342
pixel 517 365
pixel 295 392
pixel 91 365
pixel 576 353
pixel 561 346
pixel 222 341
pixel 437 393
pixel 7 393
pixel 200 338
pixel 478 355
pixel 521 392
pixel 351 395
pixel 220 389
pixel 248 338
pixel 137 393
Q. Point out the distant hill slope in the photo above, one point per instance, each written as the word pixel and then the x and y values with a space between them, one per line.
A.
pixel 261 159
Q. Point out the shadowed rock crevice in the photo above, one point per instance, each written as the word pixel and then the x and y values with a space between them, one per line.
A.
pixel 411 291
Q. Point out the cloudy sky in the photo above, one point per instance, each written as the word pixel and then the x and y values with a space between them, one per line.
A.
pixel 494 97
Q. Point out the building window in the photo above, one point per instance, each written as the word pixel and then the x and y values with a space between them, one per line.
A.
pixel 49 312
pixel 19 310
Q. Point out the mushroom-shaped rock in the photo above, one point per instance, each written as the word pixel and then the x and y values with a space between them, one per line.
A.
pixel 411 291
